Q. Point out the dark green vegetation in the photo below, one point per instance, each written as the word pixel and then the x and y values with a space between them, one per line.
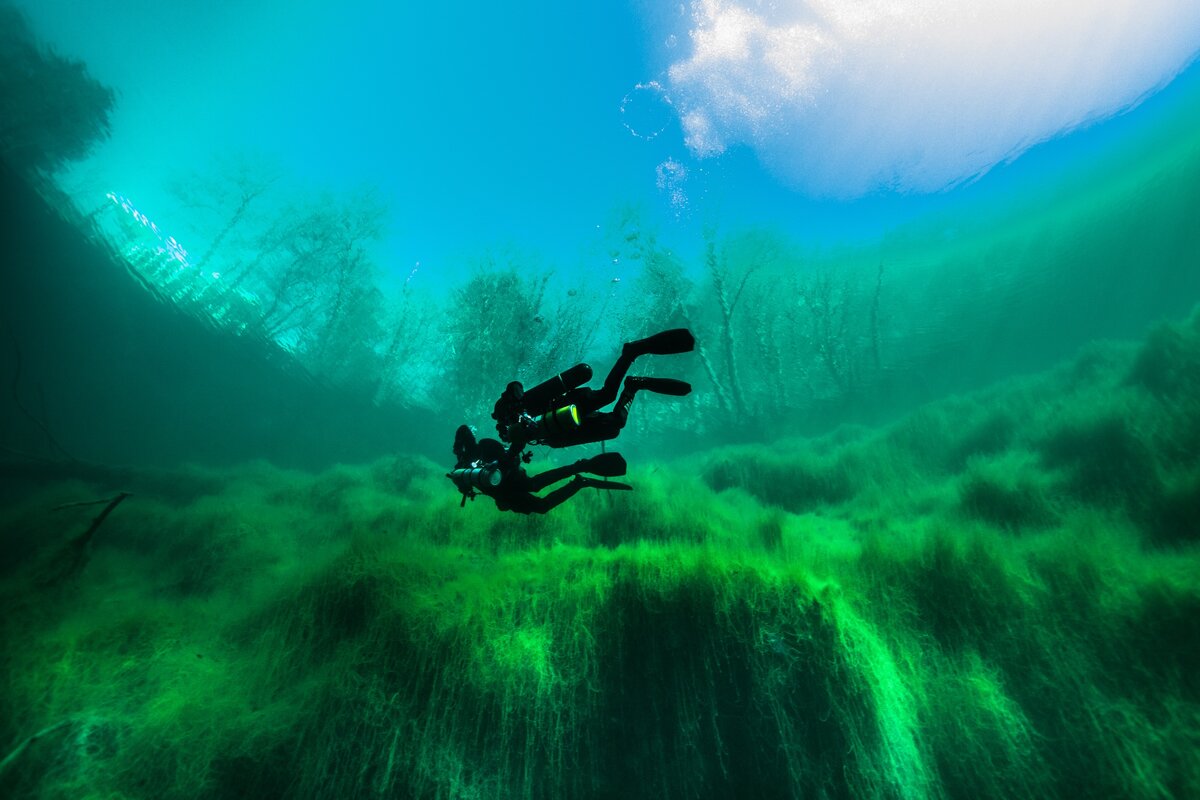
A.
pixel 996 597
pixel 93 365
pixel 51 110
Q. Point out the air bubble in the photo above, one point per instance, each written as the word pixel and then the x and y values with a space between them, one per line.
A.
pixel 647 110
pixel 670 178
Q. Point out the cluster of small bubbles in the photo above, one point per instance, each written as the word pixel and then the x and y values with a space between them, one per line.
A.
pixel 670 177
pixel 671 41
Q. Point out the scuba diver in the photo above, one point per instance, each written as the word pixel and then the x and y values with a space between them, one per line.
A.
pixel 562 412
pixel 487 467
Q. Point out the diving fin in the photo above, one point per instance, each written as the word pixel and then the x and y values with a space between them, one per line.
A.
pixel 609 465
pixel 660 385
pixel 665 343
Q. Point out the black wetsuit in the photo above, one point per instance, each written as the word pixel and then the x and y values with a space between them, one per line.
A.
pixel 596 425
pixel 516 489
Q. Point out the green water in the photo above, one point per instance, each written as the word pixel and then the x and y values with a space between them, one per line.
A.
pixel 928 525
pixel 995 597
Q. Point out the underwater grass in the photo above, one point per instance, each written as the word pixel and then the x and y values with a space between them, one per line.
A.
pixel 996 597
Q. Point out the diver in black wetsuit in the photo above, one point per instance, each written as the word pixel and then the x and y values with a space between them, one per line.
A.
pixel 542 414
pixel 487 467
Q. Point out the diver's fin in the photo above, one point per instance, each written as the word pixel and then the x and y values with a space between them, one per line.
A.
pixel 596 484
pixel 609 465
pixel 676 340
pixel 661 385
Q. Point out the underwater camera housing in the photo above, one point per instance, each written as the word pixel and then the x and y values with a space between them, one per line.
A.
pixel 469 479
pixel 516 407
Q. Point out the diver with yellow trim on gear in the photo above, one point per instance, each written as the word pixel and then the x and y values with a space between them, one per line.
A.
pixel 560 412
pixel 541 415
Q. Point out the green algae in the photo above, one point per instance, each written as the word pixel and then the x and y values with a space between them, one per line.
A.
pixel 995 597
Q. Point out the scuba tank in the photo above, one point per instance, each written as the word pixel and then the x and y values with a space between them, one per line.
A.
pixel 539 398
pixel 519 412
pixel 475 479
pixel 542 428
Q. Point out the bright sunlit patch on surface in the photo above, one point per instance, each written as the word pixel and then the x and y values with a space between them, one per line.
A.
pixel 169 244
pixel 843 98
pixel 160 261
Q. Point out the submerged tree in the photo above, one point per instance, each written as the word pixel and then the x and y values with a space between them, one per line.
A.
pixel 410 359
pixel 720 314
pixel 355 302
pixel 658 289
pixel 51 110
pixel 224 198
pixel 495 329
pixel 348 350
pixel 314 265
pixel 777 336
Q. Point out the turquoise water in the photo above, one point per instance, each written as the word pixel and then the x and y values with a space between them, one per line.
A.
pixel 925 526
